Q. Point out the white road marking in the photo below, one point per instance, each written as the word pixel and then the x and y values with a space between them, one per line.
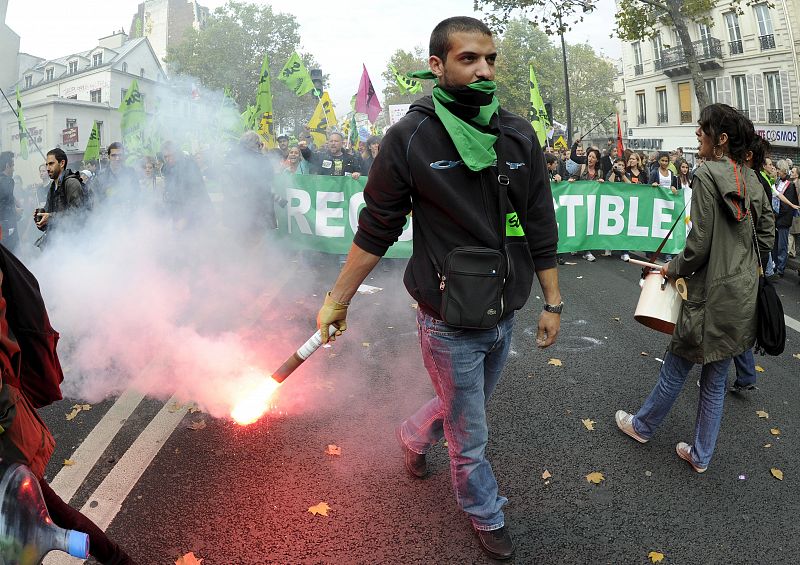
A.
pixel 792 323
pixel 70 478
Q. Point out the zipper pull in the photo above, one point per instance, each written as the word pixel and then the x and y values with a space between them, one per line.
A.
pixel 441 284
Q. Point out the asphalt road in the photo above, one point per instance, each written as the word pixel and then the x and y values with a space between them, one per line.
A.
pixel 240 495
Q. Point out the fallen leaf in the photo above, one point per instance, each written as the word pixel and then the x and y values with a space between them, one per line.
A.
pixel 767 445
pixel 333 450
pixel 68 462
pixel 198 425
pixel 193 409
pixel 188 559
pixel 546 475
pixel 655 557
pixel 648 473
pixel 175 406
pixel 796 355
pixel 644 354
pixel 72 414
pixel 777 473
pixel 570 263
pixel 578 277
pixel 616 319
pixel 762 414
pixel 775 431
pixel 759 368
pixel 555 362
pixel 365 343
pixel 595 478
pixel 589 423
pixel 321 509
pixel 86 406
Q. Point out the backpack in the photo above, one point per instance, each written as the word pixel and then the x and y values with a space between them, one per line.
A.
pixel 770 323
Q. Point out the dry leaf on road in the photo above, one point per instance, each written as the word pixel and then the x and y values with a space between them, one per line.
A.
pixel 777 473
pixel 546 475
pixel 68 462
pixel 333 450
pixel 767 445
pixel 188 559
pixel 616 319
pixel 76 408
pixel 759 368
pixel 796 355
pixel 175 406
pixel 655 557
pixel 644 354
pixel 321 509
pixel 198 425
pixel 555 362
pixel 595 478
pixel 775 431
pixel 365 343
pixel 589 423
pixel 762 414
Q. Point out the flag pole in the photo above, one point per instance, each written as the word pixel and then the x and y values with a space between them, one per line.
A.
pixel 597 124
pixel 27 133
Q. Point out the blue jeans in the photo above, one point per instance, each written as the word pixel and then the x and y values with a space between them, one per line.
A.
pixel 713 379
pixel 745 368
pixel 464 367
pixel 781 250
pixel 769 268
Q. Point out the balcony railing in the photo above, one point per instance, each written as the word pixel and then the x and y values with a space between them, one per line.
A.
pixel 662 118
pixel 641 120
pixel 657 64
pixel 638 70
pixel 774 116
pixel 686 117
pixel 736 47
pixel 708 51
pixel 767 41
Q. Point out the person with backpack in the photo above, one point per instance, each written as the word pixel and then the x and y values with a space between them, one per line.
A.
pixel 66 197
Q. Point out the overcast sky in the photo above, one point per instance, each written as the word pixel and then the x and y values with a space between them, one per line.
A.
pixel 327 30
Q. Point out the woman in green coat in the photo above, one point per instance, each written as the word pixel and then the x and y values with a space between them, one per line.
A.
pixel 718 319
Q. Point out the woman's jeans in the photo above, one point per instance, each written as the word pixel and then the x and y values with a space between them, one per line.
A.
pixel 464 367
pixel 745 368
pixel 713 379
pixel 781 251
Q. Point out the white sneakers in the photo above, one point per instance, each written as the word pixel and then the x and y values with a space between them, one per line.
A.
pixel 625 257
pixel 606 253
pixel 625 423
pixel 589 257
pixel 684 451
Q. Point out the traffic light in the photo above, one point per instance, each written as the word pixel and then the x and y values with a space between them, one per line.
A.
pixel 316 78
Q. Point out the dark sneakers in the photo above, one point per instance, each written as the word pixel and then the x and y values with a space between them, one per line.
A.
pixel 415 462
pixel 496 543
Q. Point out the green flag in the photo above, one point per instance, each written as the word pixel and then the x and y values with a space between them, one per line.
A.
pixel 133 119
pixel 92 152
pixel 353 137
pixel 295 75
pixel 538 114
pixel 409 85
pixel 23 133
pixel 264 119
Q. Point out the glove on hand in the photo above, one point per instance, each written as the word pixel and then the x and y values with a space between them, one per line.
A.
pixel 332 312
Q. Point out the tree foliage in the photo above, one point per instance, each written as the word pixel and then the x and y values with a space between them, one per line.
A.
pixel 228 52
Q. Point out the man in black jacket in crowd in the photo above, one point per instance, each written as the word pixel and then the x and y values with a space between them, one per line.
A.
pixel 446 160
pixel 333 160
pixel 65 197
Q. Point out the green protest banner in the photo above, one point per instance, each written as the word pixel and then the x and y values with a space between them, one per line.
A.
pixel 322 215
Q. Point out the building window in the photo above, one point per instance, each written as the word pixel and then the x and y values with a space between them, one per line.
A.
pixel 705 36
pixel 774 98
pixel 96 95
pixel 71 122
pixel 685 101
pixel 141 72
pixel 734 33
pixel 740 94
pixel 49 73
pixel 73 67
pixel 658 48
pixel 97 59
pixel 124 67
pixel 28 81
pixel 711 90
pixel 663 115
pixel 641 116
pixel 766 36
pixel 637 58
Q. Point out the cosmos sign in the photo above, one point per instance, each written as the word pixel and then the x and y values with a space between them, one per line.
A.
pixel 779 135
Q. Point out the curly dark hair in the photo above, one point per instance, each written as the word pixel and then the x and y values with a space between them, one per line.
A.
pixel 716 119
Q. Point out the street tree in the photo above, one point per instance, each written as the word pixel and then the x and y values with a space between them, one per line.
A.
pixel 636 20
pixel 228 52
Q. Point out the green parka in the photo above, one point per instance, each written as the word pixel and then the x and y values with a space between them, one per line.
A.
pixel 719 263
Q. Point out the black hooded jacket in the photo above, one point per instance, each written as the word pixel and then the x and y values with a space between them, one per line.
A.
pixel 419 169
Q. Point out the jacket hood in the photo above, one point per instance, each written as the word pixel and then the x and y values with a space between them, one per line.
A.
pixel 733 183
pixel 424 105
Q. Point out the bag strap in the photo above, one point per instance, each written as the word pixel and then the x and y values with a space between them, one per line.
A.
pixel 646 270
pixel 502 183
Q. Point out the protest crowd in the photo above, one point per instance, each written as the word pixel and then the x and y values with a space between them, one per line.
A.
pixel 240 194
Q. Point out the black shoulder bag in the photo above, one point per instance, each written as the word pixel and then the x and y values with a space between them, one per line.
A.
pixel 472 278
pixel 770 323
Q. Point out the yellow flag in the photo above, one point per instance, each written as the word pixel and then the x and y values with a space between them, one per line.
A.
pixel 560 143
pixel 322 120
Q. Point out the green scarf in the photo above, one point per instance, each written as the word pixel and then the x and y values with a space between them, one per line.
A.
pixel 469 114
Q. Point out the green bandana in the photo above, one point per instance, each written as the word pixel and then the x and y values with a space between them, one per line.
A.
pixel 469 116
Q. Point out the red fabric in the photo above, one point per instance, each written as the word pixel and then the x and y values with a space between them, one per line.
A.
pixel 620 147
pixel 366 100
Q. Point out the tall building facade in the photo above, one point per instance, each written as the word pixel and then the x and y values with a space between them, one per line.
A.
pixel 748 59
pixel 164 22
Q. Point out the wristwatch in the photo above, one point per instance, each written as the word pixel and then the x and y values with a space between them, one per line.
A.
pixel 554 308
